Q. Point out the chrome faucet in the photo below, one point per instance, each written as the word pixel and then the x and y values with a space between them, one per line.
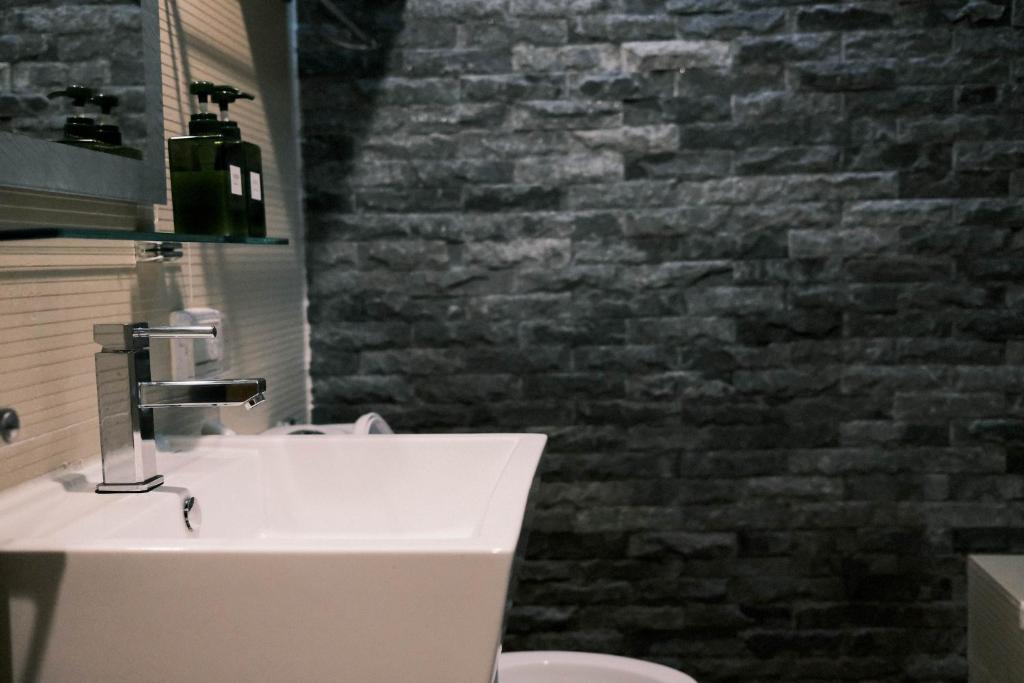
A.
pixel 127 396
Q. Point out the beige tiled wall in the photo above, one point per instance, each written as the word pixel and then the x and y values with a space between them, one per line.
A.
pixel 51 292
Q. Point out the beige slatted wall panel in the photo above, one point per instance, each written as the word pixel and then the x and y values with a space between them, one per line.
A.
pixel 260 290
pixel 51 292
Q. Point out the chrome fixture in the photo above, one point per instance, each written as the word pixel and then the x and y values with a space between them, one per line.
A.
pixel 9 425
pixel 127 397
pixel 193 513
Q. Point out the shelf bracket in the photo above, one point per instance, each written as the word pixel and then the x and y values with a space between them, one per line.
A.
pixel 158 252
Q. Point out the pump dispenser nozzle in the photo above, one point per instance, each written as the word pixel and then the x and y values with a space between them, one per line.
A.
pixel 106 131
pixel 225 95
pixel 77 126
pixel 106 103
pixel 202 90
pixel 78 94
pixel 203 122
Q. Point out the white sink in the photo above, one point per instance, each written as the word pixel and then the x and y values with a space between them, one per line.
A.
pixel 381 559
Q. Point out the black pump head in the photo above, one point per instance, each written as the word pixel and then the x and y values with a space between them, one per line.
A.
pixel 78 94
pixel 106 103
pixel 77 126
pixel 106 131
pixel 203 122
pixel 225 95
pixel 202 89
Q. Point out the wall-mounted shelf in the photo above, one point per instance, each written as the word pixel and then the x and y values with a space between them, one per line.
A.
pixel 151 246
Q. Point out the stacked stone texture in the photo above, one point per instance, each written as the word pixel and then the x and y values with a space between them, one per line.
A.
pixel 756 267
pixel 46 45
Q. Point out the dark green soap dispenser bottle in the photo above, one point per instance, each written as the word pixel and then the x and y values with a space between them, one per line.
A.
pixel 252 181
pixel 206 168
pixel 107 132
pixel 79 129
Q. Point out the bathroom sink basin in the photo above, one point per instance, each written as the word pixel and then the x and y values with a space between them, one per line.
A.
pixel 363 559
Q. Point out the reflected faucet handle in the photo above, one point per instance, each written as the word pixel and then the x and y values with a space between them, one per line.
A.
pixel 136 336
pixel 190 332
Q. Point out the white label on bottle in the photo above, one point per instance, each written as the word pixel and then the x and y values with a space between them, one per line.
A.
pixel 256 186
pixel 236 180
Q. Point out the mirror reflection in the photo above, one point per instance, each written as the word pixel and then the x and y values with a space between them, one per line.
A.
pixel 72 72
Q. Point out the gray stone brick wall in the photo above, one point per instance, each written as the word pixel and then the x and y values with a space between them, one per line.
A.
pixel 756 267
pixel 47 44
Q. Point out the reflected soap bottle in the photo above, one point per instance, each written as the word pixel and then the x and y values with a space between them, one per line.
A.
pixel 107 131
pixel 207 169
pixel 79 129
pixel 252 171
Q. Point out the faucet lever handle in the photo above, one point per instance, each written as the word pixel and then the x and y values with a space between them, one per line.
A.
pixel 192 332
pixel 135 337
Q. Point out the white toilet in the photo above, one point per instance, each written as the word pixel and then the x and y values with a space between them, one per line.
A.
pixel 370 423
pixel 582 667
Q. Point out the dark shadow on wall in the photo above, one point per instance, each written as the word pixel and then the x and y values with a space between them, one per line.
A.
pixel 339 92
pixel 339 98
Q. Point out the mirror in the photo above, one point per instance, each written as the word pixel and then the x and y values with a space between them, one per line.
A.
pixel 111 48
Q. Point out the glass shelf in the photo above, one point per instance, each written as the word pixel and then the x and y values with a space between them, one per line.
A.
pixel 129 235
